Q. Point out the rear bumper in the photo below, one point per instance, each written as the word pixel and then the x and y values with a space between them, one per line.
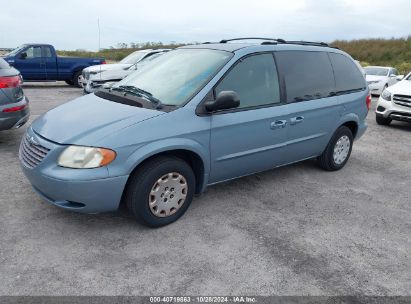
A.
pixel 14 120
pixel 361 130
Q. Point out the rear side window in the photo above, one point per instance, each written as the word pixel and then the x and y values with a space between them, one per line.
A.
pixel 47 51
pixel 4 64
pixel 347 75
pixel 307 75
pixel 254 79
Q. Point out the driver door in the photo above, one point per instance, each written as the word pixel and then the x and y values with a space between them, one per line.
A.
pixel 30 63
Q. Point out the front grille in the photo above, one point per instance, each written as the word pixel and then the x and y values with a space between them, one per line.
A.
pixel 404 100
pixel 31 154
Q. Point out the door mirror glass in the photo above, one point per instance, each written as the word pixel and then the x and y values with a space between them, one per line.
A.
pixel 23 55
pixel 225 100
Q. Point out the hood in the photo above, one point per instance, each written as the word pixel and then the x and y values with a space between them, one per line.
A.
pixel 375 77
pixel 86 120
pixel 402 88
pixel 115 74
pixel 107 67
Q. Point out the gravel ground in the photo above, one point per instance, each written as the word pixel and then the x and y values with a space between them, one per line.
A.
pixel 296 230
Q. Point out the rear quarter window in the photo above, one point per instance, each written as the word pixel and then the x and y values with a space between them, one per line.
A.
pixel 307 75
pixel 4 64
pixel 347 75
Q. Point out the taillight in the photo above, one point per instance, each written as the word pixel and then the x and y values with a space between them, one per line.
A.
pixel 368 101
pixel 14 109
pixel 103 62
pixel 10 82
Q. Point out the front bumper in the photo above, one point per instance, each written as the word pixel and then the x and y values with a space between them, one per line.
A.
pixel 80 190
pixel 14 120
pixel 389 109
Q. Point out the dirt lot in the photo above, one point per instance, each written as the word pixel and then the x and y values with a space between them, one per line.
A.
pixel 290 231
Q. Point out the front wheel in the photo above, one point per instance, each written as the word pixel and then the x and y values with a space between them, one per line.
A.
pixel 381 120
pixel 76 79
pixel 160 191
pixel 338 150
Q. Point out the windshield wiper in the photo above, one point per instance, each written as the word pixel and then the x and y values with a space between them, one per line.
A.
pixel 139 92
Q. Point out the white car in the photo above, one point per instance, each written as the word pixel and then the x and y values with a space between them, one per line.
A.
pixel 93 74
pixel 110 77
pixel 395 103
pixel 379 78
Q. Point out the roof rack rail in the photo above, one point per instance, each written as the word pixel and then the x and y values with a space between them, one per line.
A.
pixel 249 38
pixel 307 43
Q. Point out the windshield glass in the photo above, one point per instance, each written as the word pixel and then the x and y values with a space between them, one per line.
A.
pixel 3 64
pixel 408 77
pixel 175 76
pixel 133 57
pixel 376 71
pixel 15 51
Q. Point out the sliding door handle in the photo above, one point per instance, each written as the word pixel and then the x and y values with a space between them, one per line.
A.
pixel 278 124
pixel 296 120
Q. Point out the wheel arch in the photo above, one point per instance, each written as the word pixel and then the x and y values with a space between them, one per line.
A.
pixel 191 154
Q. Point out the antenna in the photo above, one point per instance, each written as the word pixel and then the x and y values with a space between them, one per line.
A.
pixel 99 36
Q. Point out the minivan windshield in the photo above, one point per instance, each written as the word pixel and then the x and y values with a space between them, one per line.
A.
pixel 177 75
pixel 376 71
pixel 133 58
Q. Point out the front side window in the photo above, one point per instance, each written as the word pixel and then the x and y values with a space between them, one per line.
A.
pixel 177 75
pixel 347 75
pixel 254 79
pixel 307 75
pixel 33 52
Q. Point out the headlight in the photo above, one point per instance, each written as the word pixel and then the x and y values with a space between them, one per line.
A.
pixel 79 157
pixel 374 81
pixel 386 95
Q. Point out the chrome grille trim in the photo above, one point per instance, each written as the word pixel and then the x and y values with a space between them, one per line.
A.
pixel 31 154
pixel 403 100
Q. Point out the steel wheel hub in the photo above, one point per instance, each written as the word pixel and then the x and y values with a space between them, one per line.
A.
pixel 168 194
pixel 341 149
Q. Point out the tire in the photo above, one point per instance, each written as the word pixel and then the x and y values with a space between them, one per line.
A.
pixel 333 161
pixel 381 120
pixel 139 196
pixel 75 80
pixel 69 82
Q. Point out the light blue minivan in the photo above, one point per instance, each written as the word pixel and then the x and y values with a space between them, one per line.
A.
pixel 197 116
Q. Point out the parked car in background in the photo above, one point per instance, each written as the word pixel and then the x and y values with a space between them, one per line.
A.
pixel 201 115
pixel 14 106
pixel 379 78
pixel 39 62
pixel 93 77
pixel 395 103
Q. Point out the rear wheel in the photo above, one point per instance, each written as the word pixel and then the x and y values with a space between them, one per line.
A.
pixel 338 150
pixel 381 120
pixel 76 79
pixel 160 191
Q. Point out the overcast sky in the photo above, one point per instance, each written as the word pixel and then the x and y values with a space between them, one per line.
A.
pixel 73 24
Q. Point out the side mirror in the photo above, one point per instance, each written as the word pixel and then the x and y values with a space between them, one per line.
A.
pixel 23 55
pixel 399 77
pixel 225 100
